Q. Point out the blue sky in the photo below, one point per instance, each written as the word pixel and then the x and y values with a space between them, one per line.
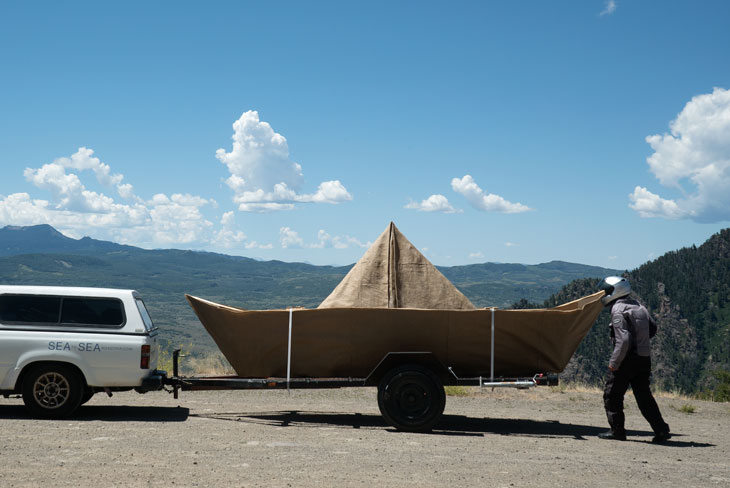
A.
pixel 588 131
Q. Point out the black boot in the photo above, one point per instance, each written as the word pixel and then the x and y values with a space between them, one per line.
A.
pixel 613 435
pixel 662 437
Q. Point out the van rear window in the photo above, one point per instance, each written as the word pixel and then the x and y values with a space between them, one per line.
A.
pixel 65 311
pixel 92 311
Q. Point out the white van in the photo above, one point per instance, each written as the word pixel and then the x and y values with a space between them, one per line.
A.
pixel 60 345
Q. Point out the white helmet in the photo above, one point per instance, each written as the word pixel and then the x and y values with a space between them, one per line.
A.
pixel 615 287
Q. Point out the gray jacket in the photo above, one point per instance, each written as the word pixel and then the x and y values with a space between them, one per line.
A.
pixel 631 328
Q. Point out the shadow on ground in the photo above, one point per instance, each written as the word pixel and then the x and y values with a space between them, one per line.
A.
pixel 108 413
pixel 449 425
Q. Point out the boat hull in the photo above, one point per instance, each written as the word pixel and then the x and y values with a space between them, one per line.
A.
pixel 350 342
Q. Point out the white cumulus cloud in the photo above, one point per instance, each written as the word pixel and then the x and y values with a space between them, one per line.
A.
pixel 263 177
pixel 162 220
pixel 256 245
pixel 609 8
pixel 327 192
pixel 649 204
pixel 290 238
pixel 260 156
pixel 84 159
pixel 75 210
pixel 693 158
pixel 67 189
pixel 227 236
pixel 480 200
pixel 434 203
pixel 324 239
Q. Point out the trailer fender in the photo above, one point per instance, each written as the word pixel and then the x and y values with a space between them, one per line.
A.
pixel 422 358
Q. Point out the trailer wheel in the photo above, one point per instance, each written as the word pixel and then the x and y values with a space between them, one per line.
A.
pixel 52 391
pixel 411 398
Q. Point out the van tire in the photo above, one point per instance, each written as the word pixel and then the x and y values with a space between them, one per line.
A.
pixel 88 393
pixel 52 391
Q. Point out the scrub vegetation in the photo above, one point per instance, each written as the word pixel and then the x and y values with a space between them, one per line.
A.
pixel 687 408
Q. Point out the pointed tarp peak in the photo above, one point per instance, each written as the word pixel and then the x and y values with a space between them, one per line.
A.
pixel 394 274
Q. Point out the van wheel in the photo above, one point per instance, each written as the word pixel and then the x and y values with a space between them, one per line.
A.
pixel 411 398
pixel 52 391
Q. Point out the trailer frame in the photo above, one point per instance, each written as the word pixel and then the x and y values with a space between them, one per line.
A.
pixel 407 382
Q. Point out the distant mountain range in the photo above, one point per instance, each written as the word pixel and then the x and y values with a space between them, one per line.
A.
pixel 41 239
pixel 41 255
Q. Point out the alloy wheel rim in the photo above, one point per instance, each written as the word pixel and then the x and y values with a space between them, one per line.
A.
pixel 51 390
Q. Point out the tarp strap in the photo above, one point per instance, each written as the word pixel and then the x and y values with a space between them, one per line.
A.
pixel 288 353
pixel 491 354
pixel 393 299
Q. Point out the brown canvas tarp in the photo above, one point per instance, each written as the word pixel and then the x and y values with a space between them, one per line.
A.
pixel 395 300
pixel 394 274
pixel 349 342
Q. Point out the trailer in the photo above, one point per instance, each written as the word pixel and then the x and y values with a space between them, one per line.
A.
pixel 396 323
pixel 410 386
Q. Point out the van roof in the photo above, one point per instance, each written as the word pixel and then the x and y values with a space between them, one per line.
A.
pixel 65 290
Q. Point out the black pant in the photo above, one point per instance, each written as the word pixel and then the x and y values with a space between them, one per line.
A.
pixel 635 371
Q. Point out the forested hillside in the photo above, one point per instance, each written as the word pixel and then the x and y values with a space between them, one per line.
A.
pixel 690 289
pixel 688 292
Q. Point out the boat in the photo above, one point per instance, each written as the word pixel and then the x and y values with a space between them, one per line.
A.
pixel 395 300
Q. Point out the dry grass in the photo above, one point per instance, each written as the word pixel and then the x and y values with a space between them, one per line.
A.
pixel 213 364
pixel 674 394
pixel 568 387
pixel 460 391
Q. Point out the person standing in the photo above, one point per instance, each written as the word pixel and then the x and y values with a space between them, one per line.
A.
pixel 630 364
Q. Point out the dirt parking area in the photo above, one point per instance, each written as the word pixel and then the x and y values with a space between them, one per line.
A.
pixel 540 437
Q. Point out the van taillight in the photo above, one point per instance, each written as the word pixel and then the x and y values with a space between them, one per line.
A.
pixel 144 360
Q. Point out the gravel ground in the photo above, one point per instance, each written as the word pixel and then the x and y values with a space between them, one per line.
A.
pixel 540 437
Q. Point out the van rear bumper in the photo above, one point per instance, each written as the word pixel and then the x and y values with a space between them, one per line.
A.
pixel 153 382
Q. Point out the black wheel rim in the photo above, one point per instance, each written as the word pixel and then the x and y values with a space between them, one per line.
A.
pixel 411 399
